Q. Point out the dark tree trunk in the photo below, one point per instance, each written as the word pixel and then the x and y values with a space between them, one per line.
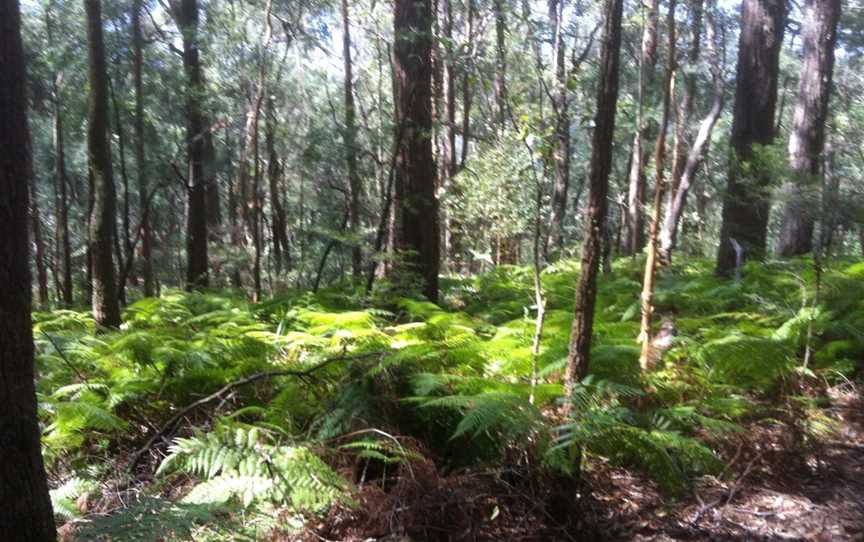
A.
pixel 278 221
pixel 500 8
pixel 186 14
pixel 106 308
pixel 466 83
pixel 561 153
pixel 140 159
pixel 63 249
pixel 39 244
pixel 124 254
pixel 635 219
pixel 26 507
pixel 807 138
pixel 747 203
pixel 350 138
pixel 417 205
pixel 595 217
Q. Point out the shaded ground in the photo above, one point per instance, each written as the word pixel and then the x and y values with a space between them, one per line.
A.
pixel 769 494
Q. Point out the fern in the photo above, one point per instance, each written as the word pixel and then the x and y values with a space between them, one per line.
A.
pixel 243 462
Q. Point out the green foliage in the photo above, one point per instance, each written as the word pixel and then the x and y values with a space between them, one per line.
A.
pixel 454 378
pixel 247 463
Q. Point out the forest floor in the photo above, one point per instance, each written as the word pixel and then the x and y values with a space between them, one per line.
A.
pixel 769 492
pixel 773 493
pixel 728 437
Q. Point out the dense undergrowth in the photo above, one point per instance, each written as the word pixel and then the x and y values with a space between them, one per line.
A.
pixel 351 392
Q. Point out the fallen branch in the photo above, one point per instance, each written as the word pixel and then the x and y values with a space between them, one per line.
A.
pixel 169 425
pixel 730 494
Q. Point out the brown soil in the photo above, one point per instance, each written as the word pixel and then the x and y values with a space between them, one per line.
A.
pixel 769 494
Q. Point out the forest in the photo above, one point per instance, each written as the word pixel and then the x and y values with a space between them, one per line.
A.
pixel 444 270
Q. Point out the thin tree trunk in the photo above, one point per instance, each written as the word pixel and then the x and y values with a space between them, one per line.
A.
pixel 578 357
pixel 124 255
pixel 197 268
pixel 684 111
pixel 278 221
pixel 350 139
pixel 140 157
pixel 561 153
pixel 39 244
pixel 746 204
pixel 63 250
pixel 699 148
pixel 106 308
pixel 635 219
pixel 807 139
pixel 645 334
pixel 500 8
pixel 466 83
pixel 417 205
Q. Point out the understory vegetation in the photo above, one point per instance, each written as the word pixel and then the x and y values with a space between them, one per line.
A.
pixel 207 416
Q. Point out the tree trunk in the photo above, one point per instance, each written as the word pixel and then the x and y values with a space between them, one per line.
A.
pixel 350 138
pixel 684 111
pixel 635 220
pixel 561 153
pixel 417 205
pixel 807 139
pixel 24 501
pixel 278 221
pixel 500 8
pixel 578 357
pixel 698 150
pixel 186 14
pixel 106 308
pixel 746 204
pixel 645 334
pixel 124 254
pixel 39 244
pixel 466 83
pixel 63 249
pixel 140 162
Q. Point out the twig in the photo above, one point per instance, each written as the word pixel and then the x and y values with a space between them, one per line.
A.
pixel 168 426
pixel 726 499
pixel 64 358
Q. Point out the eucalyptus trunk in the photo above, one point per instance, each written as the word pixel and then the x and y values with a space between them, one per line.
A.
pixel 807 139
pixel 746 203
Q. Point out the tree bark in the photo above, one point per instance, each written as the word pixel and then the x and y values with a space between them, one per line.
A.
pixel 578 357
pixel 807 139
pixel 699 147
pixel 278 220
pixel 140 157
pixel 466 83
pixel 635 219
pixel 124 253
pixel 561 153
pixel 417 205
pixel 39 244
pixel 24 501
pixel 63 250
pixel 106 308
pixel 350 139
pixel 746 203
pixel 684 111
pixel 647 297
pixel 500 8
pixel 197 273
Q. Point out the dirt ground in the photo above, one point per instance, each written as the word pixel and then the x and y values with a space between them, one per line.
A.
pixel 768 494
